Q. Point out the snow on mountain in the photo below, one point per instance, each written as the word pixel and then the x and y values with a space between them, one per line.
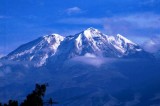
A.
pixel 37 51
pixel 92 41
pixel 57 49
pixel 108 46
pixel 123 46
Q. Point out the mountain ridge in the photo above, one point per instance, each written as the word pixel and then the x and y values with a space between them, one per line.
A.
pixel 90 41
pixel 79 73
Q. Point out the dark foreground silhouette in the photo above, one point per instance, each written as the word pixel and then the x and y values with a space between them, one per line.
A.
pixel 33 99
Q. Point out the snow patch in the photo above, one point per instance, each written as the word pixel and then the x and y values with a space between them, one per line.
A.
pixel 120 37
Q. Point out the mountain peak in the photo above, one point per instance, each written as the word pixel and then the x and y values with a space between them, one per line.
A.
pixel 92 29
pixel 54 34
pixel 91 33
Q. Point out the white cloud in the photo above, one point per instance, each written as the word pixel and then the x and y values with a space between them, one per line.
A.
pixel 147 20
pixel 73 10
pixel 97 62
pixel 141 25
pixel 1 55
pixel 152 45
pixel 92 60
pixel 90 55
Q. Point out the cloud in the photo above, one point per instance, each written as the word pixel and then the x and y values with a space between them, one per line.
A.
pixel 136 20
pixel 83 21
pixel 2 51
pixel 156 97
pixel 73 10
pixel 90 55
pixel 112 102
pixel 152 45
pixel 135 101
pixel 131 25
pixel 1 55
pixel 91 59
pixel 140 20
pixel 3 17
pixel 94 61
pixel 4 71
pixel 149 2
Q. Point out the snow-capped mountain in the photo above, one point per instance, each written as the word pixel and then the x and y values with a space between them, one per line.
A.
pixel 94 42
pixel 90 42
pixel 79 73
pixel 37 51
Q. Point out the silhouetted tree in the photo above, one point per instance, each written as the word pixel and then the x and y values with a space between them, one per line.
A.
pixel 51 102
pixel 12 103
pixel 5 104
pixel 35 98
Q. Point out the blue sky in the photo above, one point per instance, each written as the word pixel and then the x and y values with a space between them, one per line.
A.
pixel 24 20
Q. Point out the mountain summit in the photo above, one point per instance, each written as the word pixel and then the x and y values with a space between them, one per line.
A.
pixel 90 41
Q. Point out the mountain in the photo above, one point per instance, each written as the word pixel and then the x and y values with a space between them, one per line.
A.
pixel 90 42
pixel 36 51
pixel 87 69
